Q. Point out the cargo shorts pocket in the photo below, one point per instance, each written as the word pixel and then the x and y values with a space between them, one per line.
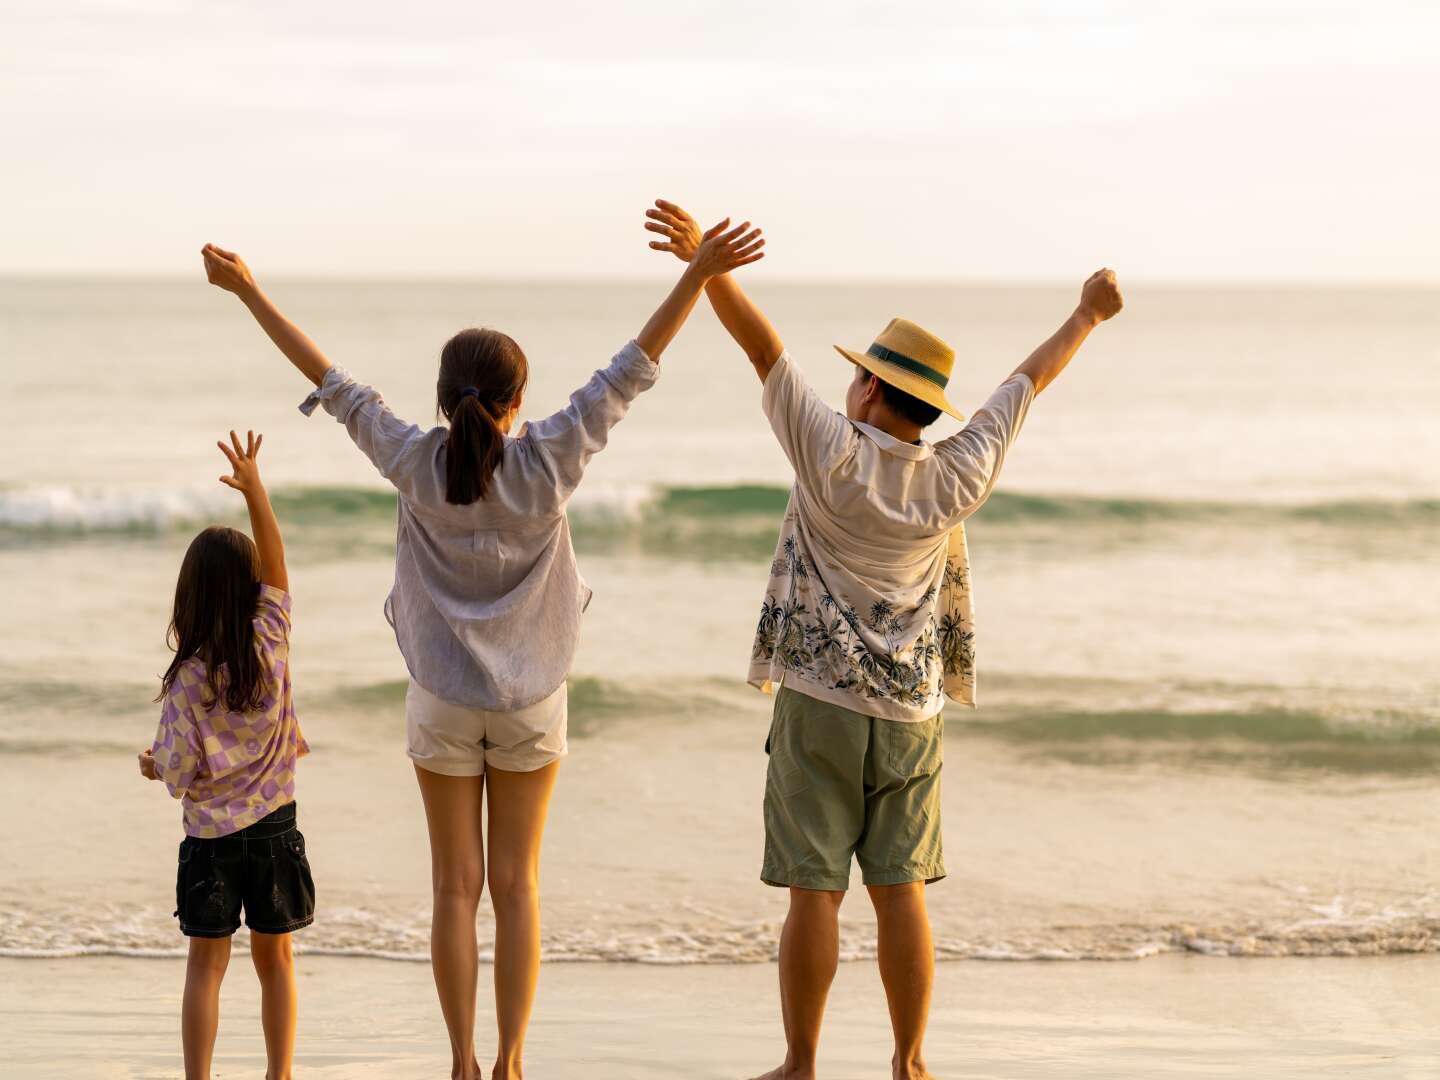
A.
pixel 182 869
pixel 304 882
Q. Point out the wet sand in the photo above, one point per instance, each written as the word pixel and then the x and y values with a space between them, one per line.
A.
pixel 1173 1016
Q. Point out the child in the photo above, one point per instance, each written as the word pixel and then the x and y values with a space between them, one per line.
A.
pixel 226 747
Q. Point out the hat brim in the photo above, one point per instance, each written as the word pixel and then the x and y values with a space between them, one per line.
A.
pixel 917 386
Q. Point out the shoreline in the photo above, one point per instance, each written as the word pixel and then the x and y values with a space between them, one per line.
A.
pixel 1086 1020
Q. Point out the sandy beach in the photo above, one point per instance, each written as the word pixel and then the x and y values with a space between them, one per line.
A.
pixel 1168 1017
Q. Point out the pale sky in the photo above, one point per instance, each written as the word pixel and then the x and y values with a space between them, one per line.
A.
pixel 1242 140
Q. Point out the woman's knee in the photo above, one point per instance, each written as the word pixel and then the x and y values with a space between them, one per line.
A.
pixel 460 882
pixel 513 885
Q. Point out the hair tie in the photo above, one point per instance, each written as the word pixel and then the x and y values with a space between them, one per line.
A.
pixel 469 391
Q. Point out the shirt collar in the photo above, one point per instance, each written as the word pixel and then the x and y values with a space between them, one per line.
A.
pixel 891 445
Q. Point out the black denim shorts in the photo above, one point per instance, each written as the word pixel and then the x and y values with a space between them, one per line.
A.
pixel 262 869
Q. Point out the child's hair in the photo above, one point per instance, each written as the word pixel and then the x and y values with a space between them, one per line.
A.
pixel 482 372
pixel 215 600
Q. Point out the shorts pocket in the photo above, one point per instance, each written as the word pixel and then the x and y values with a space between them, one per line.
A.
pixel 295 843
pixel 915 749
pixel 784 776
pixel 182 867
pixel 303 895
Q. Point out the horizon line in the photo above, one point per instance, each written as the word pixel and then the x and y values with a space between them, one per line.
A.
pixel 1328 284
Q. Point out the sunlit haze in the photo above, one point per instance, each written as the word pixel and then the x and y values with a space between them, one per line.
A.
pixel 1249 141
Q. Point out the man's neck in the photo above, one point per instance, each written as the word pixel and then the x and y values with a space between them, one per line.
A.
pixel 897 428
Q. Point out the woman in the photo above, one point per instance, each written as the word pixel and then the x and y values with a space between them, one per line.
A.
pixel 486 610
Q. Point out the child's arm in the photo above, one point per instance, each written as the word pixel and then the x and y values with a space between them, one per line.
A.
pixel 718 253
pixel 1100 299
pixel 228 271
pixel 262 515
pixel 745 322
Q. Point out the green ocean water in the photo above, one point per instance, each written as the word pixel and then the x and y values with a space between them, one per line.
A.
pixel 1208 599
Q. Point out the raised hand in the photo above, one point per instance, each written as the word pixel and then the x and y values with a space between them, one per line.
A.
pixel 682 232
pixel 246 478
pixel 1100 297
pixel 227 271
pixel 721 251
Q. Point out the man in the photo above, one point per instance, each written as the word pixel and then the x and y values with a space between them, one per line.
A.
pixel 866 627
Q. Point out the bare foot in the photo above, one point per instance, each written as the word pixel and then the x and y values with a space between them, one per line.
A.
pixel 914 1070
pixel 506 1071
pixel 786 1072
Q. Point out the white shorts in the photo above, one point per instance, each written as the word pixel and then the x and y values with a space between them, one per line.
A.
pixel 457 741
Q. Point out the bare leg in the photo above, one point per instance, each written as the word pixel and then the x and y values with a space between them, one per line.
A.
pixel 457 874
pixel 518 804
pixel 809 953
pixel 200 1010
pixel 275 966
pixel 907 968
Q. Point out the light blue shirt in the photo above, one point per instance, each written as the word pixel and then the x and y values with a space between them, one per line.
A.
pixel 487 598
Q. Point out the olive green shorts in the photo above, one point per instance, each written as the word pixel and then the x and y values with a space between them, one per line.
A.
pixel 841 783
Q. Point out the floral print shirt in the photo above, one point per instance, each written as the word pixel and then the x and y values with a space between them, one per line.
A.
pixel 868 605
pixel 230 769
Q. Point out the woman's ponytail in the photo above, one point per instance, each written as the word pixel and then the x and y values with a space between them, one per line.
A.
pixel 482 375
pixel 473 451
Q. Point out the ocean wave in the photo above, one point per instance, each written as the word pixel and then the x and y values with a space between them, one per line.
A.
pixel 1118 710
pixel 1276 726
pixel 1292 730
pixel 70 510
pixel 696 937
pixel 731 509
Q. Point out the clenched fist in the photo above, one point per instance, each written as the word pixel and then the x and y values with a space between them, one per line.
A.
pixel 1100 297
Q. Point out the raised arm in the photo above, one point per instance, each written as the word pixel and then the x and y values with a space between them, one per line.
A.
pixel 1100 299
pixel 719 253
pixel 266 529
pixel 745 322
pixel 226 270
pixel 977 451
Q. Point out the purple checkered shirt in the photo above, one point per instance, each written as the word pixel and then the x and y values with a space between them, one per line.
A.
pixel 230 769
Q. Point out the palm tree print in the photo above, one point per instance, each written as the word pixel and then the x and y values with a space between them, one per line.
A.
pixel 895 653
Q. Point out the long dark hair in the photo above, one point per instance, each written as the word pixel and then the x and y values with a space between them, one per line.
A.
pixel 215 600
pixel 482 372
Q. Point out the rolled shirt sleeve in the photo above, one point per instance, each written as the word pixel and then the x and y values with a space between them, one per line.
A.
pixel 572 436
pixel 389 442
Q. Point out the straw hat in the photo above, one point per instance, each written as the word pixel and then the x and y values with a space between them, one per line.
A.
pixel 910 359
